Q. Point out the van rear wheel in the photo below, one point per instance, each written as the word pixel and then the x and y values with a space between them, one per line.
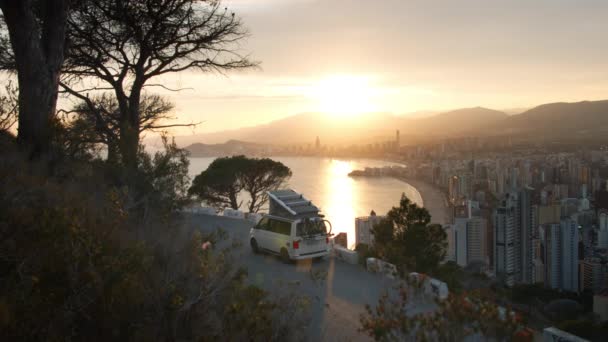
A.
pixel 285 256
pixel 254 246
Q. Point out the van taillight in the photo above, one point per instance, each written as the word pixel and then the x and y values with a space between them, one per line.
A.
pixel 327 239
pixel 296 244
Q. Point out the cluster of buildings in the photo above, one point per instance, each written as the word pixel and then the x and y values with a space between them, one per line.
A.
pixel 528 218
pixel 524 217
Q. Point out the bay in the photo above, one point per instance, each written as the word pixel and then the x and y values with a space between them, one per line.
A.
pixel 326 183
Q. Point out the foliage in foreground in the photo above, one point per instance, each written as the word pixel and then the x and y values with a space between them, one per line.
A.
pixel 76 262
pixel 457 317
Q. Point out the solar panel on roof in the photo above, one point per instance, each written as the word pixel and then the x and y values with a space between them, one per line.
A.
pixel 288 203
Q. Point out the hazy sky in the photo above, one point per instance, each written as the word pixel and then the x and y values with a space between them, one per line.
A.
pixel 403 56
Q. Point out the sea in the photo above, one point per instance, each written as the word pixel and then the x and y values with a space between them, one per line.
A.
pixel 341 198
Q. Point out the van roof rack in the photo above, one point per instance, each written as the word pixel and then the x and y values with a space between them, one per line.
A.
pixel 290 204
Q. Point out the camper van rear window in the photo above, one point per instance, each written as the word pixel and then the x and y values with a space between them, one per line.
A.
pixel 311 228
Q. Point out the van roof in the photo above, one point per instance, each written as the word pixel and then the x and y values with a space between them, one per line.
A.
pixel 288 203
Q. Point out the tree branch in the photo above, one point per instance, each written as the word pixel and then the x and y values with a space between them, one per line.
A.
pixel 167 88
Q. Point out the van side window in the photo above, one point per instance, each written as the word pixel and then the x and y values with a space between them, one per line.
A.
pixel 280 227
pixel 263 224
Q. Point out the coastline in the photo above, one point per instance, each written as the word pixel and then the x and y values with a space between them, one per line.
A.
pixel 432 198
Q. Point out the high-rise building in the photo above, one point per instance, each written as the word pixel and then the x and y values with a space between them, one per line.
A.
pixel 561 242
pixel 515 227
pixel 593 275
pixel 467 241
pixel 459 231
pixel 505 236
pixel 477 250
pixel 569 257
pixel 527 218
pixel 553 260
pixel 539 259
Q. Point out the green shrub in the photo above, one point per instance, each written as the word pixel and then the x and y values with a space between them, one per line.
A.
pixel 75 266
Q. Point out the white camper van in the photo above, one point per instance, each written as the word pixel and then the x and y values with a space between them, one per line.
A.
pixel 293 229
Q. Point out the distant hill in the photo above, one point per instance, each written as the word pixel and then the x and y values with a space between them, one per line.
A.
pixel 366 128
pixel 456 122
pixel 556 119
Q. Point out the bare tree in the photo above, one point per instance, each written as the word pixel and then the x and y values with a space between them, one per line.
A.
pixel 125 44
pixel 100 117
pixel 37 31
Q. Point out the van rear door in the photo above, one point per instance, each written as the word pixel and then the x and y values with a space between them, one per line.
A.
pixel 313 237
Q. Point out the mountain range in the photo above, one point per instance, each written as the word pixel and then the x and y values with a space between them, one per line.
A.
pixel 554 120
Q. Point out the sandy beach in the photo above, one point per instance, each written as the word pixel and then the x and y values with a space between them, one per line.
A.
pixel 433 200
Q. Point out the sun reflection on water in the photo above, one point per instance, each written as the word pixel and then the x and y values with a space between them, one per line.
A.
pixel 340 197
pixel 326 183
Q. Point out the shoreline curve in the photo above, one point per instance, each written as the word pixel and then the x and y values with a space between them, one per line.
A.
pixel 433 199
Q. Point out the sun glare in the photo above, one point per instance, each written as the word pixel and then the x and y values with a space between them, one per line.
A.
pixel 344 95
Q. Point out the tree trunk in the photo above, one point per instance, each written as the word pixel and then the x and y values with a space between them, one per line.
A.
pixel 252 204
pixel 37 34
pixel 113 153
pixel 129 144
pixel 37 106
pixel 129 127
pixel 234 204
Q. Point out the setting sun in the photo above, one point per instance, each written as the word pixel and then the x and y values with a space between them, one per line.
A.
pixel 344 95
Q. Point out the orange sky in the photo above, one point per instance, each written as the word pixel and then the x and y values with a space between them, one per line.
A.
pixel 344 56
